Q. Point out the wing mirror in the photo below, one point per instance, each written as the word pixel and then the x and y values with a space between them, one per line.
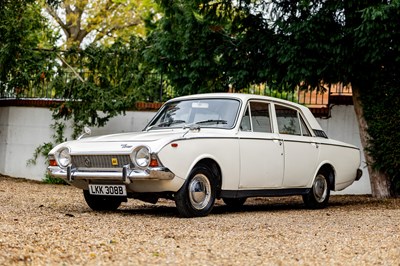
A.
pixel 86 131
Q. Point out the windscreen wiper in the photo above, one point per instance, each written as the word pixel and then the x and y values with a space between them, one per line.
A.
pixel 212 121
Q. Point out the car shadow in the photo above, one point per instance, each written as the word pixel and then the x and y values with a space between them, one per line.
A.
pixel 169 210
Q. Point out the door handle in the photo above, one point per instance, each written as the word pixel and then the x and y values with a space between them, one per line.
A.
pixel 315 144
pixel 278 141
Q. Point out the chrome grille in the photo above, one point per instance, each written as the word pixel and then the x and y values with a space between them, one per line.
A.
pixel 100 161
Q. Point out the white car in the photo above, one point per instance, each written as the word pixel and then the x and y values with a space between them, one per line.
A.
pixel 205 147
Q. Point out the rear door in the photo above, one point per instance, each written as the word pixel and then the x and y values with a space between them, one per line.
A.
pixel 300 147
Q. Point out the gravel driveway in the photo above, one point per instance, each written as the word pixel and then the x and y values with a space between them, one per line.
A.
pixel 43 224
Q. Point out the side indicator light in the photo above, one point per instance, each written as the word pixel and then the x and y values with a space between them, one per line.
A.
pixel 53 162
pixel 153 163
pixel 174 145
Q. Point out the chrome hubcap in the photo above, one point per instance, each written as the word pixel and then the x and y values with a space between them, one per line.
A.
pixel 199 191
pixel 320 188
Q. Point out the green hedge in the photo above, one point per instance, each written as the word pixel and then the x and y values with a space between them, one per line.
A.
pixel 382 112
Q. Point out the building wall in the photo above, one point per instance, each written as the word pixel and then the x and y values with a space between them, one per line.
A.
pixel 23 129
pixel 342 125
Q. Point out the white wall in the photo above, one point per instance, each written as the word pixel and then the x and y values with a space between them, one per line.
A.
pixel 343 126
pixel 23 129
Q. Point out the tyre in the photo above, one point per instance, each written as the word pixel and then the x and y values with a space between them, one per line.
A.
pixel 102 203
pixel 197 196
pixel 234 202
pixel 318 196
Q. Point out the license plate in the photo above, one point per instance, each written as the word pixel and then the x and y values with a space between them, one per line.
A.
pixel 107 190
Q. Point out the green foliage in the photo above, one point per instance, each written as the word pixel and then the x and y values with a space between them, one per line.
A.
pixel 383 118
pixel 48 179
pixel 101 82
pixel 378 37
pixel 84 22
pixel 22 31
pixel 185 49
pixel 205 45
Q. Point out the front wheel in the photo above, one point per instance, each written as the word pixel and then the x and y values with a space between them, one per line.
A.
pixel 102 203
pixel 197 196
pixel 318 196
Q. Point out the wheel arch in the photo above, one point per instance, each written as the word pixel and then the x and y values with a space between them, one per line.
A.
pixel 329 171
pixel 214 167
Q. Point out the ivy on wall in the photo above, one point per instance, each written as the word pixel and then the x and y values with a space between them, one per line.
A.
pixel 382 112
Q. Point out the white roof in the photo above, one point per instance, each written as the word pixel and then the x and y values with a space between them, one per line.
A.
pixel 245 97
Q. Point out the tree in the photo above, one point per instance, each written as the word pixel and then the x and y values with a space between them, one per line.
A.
pixel 92 21
pixel 107 82
pixel 22 32
pixel 184 49
pixel 100 74
pixel 286 44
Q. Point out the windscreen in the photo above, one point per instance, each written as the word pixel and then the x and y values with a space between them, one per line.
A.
pixel 220 113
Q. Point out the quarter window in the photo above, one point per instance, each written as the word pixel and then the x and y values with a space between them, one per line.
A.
pixel 304 129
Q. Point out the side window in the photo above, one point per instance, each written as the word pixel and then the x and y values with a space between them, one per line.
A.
pixel 245 125
pixel 256 118
pixel 288 121
pixel 304 128
pixel 260 117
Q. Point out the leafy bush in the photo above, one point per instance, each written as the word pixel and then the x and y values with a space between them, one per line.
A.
pixel 382 112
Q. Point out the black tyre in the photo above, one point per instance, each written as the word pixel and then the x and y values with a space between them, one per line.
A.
pixel 234 202
pixel 197 196
pixel 318 196
pixel 102 203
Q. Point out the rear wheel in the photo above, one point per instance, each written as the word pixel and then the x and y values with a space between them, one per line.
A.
pixel 197 196
pixel 318 196
pixel 102 203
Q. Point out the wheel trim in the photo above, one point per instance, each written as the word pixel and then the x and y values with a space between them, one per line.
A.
pixel 199 191
pixel 320 188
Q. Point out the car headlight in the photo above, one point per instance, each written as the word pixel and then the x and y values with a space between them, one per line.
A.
pixel 141 157
pixel 64 158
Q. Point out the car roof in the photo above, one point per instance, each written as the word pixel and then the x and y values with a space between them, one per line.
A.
pixel 245 97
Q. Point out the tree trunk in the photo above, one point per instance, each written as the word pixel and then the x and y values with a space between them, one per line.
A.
pixel 380 185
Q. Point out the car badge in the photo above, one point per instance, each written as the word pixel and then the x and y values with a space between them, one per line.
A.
pixel 87 162
pixel 114 161
pixel 125 146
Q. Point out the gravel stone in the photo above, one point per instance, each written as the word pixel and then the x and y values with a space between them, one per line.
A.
pixel 42 224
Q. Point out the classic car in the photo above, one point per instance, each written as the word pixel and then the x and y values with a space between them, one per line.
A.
pixel 205 147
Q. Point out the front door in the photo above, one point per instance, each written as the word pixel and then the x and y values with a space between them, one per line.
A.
pixel 261 151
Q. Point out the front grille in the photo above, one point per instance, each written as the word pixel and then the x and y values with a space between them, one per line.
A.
pixel 100 161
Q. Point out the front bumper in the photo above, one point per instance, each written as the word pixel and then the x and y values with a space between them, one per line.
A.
pixel 125 174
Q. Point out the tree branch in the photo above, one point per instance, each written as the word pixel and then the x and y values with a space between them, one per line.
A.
pixel 55 16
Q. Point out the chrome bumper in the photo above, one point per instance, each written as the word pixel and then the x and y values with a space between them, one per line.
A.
pixel 125 174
